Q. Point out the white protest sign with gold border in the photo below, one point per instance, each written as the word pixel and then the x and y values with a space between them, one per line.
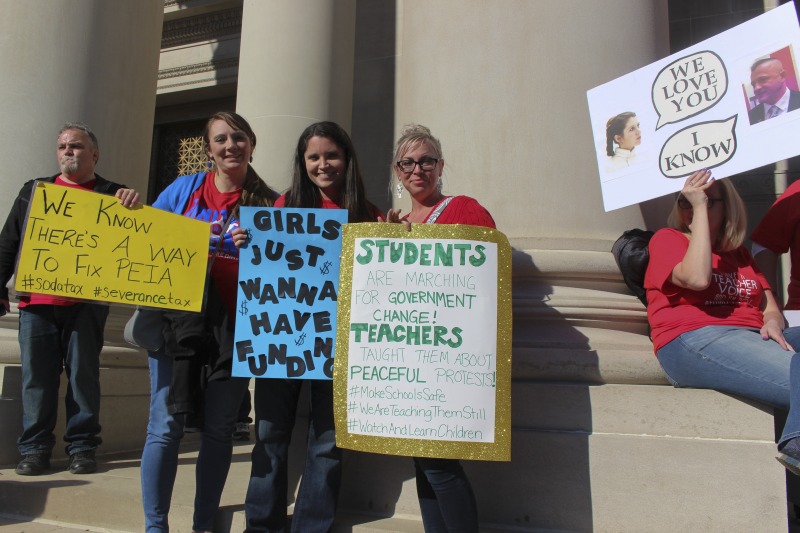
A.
pixel 423 364
pixel 84 245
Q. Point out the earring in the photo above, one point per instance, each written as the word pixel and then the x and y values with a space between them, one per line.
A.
pixel 439 184
pixel 398 190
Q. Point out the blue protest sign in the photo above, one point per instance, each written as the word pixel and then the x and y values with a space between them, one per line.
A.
pixel 287 293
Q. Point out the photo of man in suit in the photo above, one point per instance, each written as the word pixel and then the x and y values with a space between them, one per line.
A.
pixel 768 79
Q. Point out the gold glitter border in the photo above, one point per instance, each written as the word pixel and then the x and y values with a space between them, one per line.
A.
pixel 500 450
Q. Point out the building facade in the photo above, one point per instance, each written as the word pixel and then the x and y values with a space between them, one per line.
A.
pixel 600 441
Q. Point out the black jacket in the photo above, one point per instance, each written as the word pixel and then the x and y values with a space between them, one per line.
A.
pixel 757 114
pixel 11 235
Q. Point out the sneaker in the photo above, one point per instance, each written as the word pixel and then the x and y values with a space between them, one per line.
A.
pixel 83 462
pixel 241 431
pixel 33 464
pixel 790 456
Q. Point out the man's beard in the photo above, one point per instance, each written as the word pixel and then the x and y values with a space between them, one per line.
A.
pixel 69 165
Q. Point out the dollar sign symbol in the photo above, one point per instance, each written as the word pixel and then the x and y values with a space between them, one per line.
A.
pixel 301 340
pixel 243 308
pixel 325 268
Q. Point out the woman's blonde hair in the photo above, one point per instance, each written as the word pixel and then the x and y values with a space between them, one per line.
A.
pixel 734 224
pixel 413 134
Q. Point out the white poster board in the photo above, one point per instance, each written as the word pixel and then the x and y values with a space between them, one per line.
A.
pixel 697 109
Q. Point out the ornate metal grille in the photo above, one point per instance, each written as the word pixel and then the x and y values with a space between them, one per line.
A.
pixel 179 151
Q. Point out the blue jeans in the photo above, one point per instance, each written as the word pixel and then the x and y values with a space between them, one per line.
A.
pixel 275 409
pixel 446 500
pixel 736 360
pixel 52 338
pixel 164 433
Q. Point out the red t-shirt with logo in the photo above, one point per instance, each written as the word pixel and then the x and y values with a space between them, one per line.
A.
pixel 732 299
pixel 46 299
pixel 211 205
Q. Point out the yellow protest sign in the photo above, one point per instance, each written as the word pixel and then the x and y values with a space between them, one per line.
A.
pixel 84 245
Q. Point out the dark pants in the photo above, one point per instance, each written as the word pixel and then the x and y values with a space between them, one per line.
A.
pixel 53 338
pixel 446 500
pixel 265 505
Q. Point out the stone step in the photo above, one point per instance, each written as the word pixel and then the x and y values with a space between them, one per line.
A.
pixel 556 481
pixel 602 458
pixel 637 410
pixel 123 408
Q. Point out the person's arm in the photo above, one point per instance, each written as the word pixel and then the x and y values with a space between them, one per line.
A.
pixel 767 262
pixel 773 321
pixel 11 237
pixel 694 271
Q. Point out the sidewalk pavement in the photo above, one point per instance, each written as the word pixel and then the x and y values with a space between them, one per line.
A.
pixel 110 501
pixel 24 525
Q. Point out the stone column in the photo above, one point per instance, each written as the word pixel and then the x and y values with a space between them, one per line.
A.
pixel 295 68
pixel 79 60
pixel 96 62
pixel 509 106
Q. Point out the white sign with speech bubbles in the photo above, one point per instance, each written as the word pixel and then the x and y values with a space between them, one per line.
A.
pixel 697 109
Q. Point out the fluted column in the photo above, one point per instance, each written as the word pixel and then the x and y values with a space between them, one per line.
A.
pixel 91 61
pixel 509 105
pixel 295 68
pixel 96 62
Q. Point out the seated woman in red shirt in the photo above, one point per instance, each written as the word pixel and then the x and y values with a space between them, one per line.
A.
pixel 715 322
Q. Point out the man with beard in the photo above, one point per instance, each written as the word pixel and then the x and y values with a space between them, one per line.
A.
pixel 769 86
pixel 56 333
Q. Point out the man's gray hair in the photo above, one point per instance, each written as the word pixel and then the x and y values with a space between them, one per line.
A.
pixel 82 127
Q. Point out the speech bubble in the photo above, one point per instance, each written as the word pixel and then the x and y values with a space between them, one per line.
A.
pixel 702 145
pixel 689 86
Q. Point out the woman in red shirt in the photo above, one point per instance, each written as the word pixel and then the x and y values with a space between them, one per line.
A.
pixel 446 500
pixel 326 175
pixel 715 322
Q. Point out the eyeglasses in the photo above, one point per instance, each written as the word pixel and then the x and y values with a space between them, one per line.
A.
pixel 407 165
pixel 684 204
